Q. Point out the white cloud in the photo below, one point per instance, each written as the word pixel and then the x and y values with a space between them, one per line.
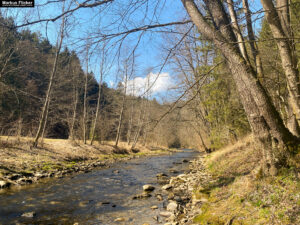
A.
pixel 111 83
pixel 157 83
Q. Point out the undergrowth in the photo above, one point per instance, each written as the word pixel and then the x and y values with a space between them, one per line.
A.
pixel 234 194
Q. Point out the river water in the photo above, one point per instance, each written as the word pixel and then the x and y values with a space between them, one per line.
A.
pixel 97 197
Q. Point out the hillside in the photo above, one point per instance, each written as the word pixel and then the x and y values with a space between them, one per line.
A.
pixel 226 187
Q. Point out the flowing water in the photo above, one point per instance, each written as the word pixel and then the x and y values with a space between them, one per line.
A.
pixel 98 197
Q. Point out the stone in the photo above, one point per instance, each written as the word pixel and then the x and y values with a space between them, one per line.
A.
pixel 178 199
pixel 159 197
pixel 14 176
pixel 154 207
pixel 165 214
pixel 143 195
pixel 120 219
pixel 148 187
pixel 29 214
pixel 173 171
pixel 155 218
pixel 161 175
pixel 172 206
pixel 171 196
pixel 166 187
pixel 185 161
pixel 4 184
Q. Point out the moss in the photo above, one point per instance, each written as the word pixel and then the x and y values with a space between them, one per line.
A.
pixel 119 155
pixel 51 166
pixel 207 218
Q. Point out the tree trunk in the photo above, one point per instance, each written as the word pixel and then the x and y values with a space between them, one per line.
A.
pixel 97 107
pixel 130 123
pixel 47 99
pixel 279 24
pixel 206 149
pixel 237 30
pixel 122 109
pixel 251 37
pixel 85 96
pixel 140 126
pixel 71 136
pixel 264 119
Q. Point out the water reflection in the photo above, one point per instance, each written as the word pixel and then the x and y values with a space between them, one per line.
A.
pixel 98 197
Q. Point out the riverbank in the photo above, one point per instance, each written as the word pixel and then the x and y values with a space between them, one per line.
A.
pixel 20 164
pixel 226 188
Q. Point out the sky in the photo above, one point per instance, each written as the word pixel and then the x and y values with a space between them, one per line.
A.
pixel 91 22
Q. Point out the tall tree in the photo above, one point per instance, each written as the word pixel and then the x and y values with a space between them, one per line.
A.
pixel 279 22
pixel 45 109
pixel 102 64
pixel 264 119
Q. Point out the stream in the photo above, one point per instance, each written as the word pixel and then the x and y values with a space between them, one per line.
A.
pixel 97 197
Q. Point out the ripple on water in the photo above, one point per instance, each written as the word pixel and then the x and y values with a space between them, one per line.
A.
pixel 81 199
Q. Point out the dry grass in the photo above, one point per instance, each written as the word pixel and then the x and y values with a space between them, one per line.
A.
pixel 236 196
pixel 16 154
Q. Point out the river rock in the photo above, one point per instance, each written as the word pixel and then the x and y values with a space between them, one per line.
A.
pixel 166 187
pixel 159 175
pixel 154 207
pixel 39 175
pixel 165 214
pixel 143 195
pixel 159 197
pixel 173 171
pixel 29 214
pixel 120 219
pixel 172 206
pixel 171 196
pixel 24 180
pixel 4 184
pixel 148 187
pixel 14 176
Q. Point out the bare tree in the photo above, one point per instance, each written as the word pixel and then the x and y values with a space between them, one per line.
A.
pixel 102 64
pixel 52 75
pixel 84 118
pixel 120 122
pixel 129 131
pixel 264 119
pixel 279 21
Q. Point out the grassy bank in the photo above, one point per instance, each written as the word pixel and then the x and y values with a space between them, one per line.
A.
pixel 18 158
pixel 234 193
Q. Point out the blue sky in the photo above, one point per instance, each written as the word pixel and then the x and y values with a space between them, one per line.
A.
pixel 89 22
